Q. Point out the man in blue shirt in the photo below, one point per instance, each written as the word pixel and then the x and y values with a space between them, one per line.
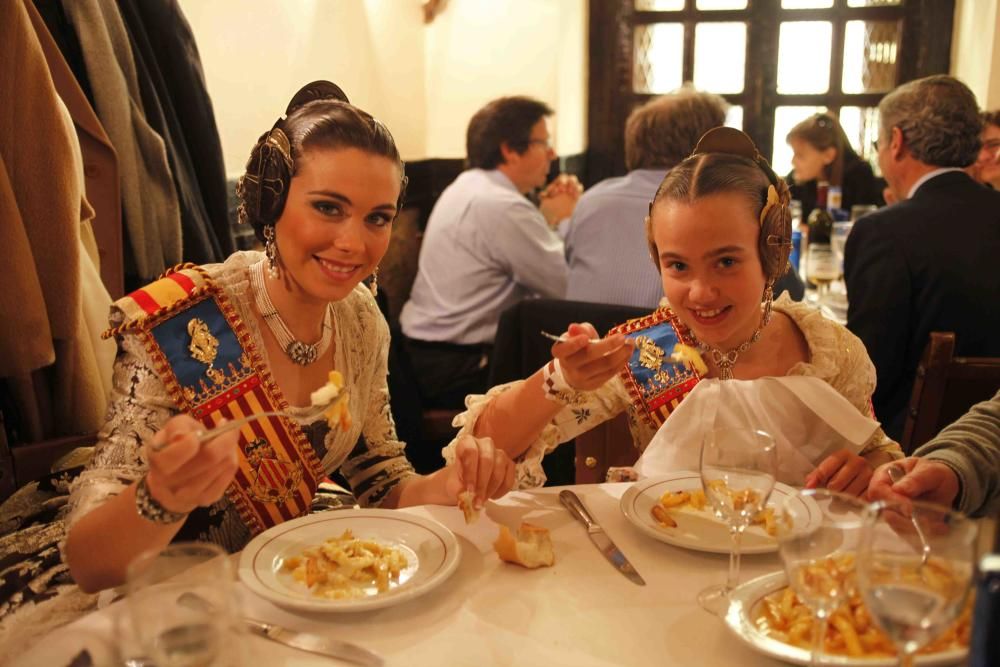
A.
pixel 486 247
pixel 606 245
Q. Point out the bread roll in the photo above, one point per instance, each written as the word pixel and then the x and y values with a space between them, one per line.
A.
pixel 531 547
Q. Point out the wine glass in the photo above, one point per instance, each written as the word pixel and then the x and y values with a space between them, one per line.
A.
pixel 838 240
pixel 819 555
pixel 915 569
pixel 822 268
pixel 737 473
pixel 174 634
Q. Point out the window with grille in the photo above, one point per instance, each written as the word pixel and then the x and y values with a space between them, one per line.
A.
pixel 775 61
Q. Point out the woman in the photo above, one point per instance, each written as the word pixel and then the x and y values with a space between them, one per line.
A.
pixel 719 230
pixel 822 152
pixel 986 168
pixel 256 333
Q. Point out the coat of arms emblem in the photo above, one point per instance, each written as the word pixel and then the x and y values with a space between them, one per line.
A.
pixel 274 479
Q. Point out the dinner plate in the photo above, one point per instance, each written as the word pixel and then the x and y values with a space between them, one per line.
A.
pixel 431 550
pixel 745 606
pixel 701 530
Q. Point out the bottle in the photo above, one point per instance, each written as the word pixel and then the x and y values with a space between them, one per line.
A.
pixel 821 266
pixel 835 202
pixel 795 208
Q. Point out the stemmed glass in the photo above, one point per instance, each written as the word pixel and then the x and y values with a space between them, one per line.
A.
pixel 822 268
pixel 737 473
pixel 915 569
pixel 819 555
pixel 174 634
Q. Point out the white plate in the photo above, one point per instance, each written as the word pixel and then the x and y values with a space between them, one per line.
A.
pixel 744 608
pixel 431 550
pixel 701 530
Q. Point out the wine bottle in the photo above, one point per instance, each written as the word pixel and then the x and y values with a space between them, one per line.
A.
pixel 821 265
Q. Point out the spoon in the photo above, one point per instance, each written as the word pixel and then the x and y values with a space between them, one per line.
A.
pixel 897 473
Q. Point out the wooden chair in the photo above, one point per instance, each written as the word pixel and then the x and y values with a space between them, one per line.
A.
pixel 945 388
pixel 604 446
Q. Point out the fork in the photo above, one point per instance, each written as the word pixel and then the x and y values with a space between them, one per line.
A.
pixel 563 338
pixel 204 435
pixel 897 473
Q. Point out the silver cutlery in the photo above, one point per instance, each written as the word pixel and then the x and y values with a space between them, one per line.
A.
pixel 563 338
pixel 304 641
pixel 204 435
pixel 897 473
pixel 599 537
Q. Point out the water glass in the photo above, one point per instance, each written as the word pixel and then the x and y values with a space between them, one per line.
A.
pixel 861 210
pixel 174 634
pixel 819 555
pixel 838 240
pixel 915 569
pixel 738 467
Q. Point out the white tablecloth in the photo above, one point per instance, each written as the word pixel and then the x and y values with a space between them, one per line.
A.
pixel 579 613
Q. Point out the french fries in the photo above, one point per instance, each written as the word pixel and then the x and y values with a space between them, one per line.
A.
pixel 851 630
pixel 344 567
pixel 672 500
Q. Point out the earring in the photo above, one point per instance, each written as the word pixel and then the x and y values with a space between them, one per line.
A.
pixel 768 299
pixel 373 285
pixel 271 252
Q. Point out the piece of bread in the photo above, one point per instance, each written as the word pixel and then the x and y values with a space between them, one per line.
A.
pixel 531 547
pixel 466 503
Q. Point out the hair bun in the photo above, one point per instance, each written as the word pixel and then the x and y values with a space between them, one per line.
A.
pixel 317 90
pixel 727 140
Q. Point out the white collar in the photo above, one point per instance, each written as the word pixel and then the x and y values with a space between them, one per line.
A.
pixel 928 176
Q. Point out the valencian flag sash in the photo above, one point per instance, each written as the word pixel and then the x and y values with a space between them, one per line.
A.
pixel 205 356
pixel 655 383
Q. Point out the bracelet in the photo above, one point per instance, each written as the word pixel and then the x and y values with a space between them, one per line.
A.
pixel 150 509
pixel 555 387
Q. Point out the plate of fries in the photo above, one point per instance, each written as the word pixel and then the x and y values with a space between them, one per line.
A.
pixel 766 615
pixel 673 509
pixel 349 560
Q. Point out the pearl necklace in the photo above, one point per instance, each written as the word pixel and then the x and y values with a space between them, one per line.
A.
pixel 725 361
pixel 298 351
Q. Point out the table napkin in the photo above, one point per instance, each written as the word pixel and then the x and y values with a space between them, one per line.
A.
pixel 808 419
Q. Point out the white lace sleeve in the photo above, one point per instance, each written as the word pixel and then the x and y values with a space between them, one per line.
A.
pixel 378 461
pixel 137 408
pixel 839 357
pixel 593 408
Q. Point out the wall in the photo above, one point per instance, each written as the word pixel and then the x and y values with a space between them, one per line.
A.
pixel 423 81
pixel 975 49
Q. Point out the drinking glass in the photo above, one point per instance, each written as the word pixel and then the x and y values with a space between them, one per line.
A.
pixel 915 568
pixel 174 634
pixel 737 473
pixel 838 240
pixel 819 555
pixel 861 210
pixel 822 268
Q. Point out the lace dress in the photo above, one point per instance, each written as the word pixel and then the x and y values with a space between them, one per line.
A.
pixel 34 581
pixel 835 355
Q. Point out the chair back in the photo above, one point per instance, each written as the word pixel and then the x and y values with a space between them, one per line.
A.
pixel 945 388
pixel 519 350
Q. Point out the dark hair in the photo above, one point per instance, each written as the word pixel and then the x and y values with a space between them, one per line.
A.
pixel 939 118
pixel 990 118
pixel 506 120
pixel 716 172
pixel 823 131
pixel 319 117
pixel 664 131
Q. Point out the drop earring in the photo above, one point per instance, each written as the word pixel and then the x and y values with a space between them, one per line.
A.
pixel 373 285
pixel 271 252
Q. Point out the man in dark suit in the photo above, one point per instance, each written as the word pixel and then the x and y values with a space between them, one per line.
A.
pixel 930 262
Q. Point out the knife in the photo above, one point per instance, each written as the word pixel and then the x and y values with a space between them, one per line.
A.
pixel 304 641
pixel 599 537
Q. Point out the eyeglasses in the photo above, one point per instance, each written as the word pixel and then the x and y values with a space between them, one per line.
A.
pixel 544 143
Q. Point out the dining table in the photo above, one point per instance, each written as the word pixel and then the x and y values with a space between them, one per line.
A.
pixel 580 612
